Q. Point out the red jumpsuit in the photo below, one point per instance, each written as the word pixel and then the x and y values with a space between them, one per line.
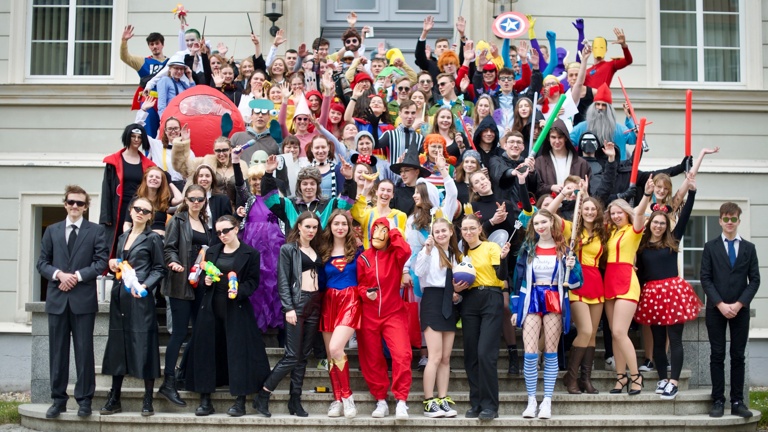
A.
pixel 386 317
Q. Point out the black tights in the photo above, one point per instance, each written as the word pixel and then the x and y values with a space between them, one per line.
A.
pixel 675 333
pixel 183 311
pixel 117 385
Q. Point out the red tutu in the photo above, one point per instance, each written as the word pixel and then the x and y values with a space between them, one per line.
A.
pixel 666 302
pixel 341 307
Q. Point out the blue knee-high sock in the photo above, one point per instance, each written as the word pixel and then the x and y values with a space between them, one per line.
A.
pixel 550 373
pixel 531 372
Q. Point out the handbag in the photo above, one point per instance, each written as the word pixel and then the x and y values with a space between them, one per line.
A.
pixel 414 325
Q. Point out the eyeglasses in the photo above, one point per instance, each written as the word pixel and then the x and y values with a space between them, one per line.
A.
pixel 74 203
pixel 549 84
pixel 403 89
pixel 141 210
pixel 221 150
pixel 351 41
pixel 225 231
pixel 442 84
pixel 196 199
pixel 425 81
pixel 516 143
pixel 469 229
pixel 506 78
pixel 733 219
pixel 173 129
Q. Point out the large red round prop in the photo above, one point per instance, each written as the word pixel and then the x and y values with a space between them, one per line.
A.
pixel 201 107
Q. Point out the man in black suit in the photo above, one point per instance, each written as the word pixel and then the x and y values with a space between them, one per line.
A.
pixel 730 276
pixel 74 252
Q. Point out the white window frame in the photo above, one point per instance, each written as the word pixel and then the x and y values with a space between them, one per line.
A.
pixel 750 42
pixel 21 46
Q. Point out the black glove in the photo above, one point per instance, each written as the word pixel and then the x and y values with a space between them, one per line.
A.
pixel 628 194
pixel 687 163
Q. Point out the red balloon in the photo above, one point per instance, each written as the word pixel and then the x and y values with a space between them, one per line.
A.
pixel 201 108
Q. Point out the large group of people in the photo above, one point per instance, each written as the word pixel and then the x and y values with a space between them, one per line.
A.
pixel 369 202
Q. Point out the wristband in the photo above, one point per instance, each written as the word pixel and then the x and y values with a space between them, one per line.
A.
pixel 353 99
pixel 645 194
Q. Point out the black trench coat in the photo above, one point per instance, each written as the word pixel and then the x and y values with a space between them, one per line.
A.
pixel 243 363
pixel 133 344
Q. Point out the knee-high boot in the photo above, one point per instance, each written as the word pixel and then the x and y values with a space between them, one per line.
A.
pixel 585 380
pixel 570 379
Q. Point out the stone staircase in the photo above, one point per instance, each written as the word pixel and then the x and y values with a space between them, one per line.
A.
pixel 583 412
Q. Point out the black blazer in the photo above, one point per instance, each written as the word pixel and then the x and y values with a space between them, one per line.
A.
pixel 722 283
pixel 89 257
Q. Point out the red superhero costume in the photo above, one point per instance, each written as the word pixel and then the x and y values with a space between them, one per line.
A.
pixel 385 317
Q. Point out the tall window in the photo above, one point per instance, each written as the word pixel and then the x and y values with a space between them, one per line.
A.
pixel 701 40
pixel 71 38
pixel 699 230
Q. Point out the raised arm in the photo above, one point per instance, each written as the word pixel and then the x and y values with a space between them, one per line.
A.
pixel 579 84
pixel 639 221
pixel 552 38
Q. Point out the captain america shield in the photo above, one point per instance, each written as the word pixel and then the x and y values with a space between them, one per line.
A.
pixel 510 25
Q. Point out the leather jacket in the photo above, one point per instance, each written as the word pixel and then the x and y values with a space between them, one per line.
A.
pixel 178 247
pixel 289 276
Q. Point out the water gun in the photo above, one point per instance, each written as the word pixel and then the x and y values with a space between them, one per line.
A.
pixel 233 284
pixel 197 270
pixel 128 275
pixel 211 270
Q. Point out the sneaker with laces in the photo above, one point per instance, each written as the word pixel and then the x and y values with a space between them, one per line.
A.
pixel 647 366
pixel 445 405
pixel 610 363
pixel 423 363
pixel 670 392
pixel 661 385
pixel 350 410
pixel 353 341
pixel 530 410
pixel 401 410
pixel 382 409
pixel 322 364
pixel 545 409
pixel 431 408
pixel 335 409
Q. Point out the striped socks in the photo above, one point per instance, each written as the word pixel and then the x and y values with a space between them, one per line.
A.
pixel 531 372
pixel 550 373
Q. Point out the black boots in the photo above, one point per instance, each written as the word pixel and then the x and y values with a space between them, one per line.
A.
pixel 570 379
pixel 295 408
pixel 146 407
pixel 238 409
pixel 113 405
pixel 585 380
pixel 514 368
pixel 261 403
pixel 206 407
pixel 168 389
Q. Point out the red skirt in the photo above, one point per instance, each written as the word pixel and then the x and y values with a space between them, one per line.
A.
pixel 592 287
pixel 666 302
pixel 621 282
pixel 341 307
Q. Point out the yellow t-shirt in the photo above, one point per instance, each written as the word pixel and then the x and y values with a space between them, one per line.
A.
pixel 484 257
pixel 366 216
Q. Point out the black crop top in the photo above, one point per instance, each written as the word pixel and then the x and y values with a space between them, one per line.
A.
pixel 308 264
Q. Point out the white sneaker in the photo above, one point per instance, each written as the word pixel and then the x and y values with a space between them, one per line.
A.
pixel 610 363
pixel 353 341
pixel 335 409
pixel 382 409
pixel 530 410
pixel 350 410
pixel 660 386
pixel 401 410
pixel 545 409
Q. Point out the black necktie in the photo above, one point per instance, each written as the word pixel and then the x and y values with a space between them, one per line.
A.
pixel 447 306
pixel 72 238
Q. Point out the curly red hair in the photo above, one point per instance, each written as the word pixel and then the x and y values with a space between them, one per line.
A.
pixel 435 139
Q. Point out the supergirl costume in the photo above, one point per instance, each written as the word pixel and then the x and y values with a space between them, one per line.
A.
pixel 620 279
pixel 341 307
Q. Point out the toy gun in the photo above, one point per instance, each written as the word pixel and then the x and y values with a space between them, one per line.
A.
pixel 197 270
pixel 128 275
pixel 232 291
pixel 211 270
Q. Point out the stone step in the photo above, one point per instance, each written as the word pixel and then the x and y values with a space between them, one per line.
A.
pixel 33 416
pixel 602 380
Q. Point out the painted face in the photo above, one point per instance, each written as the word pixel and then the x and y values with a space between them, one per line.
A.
pixel 335 116
pixel 154 179
pixel 514 146
pixel 483 108
pixel 556 139
pixel 77 208
pixel 308 229
pixel 599 48
pixel 226 232
pixel 730 227
pixel 308 189
pixel 365 146
pixel 444 120
pixel 205 178
pixel 172 129
pixel 481 184
pixel 384 192
pixel 320 150
pixel 380 237
pixel 658 226
pixel 618 216
pixel 409 175
pixel 190 39
pixel 470 230
pixel 589 211
pixel 418 98
pixel 377 106
pixel 543 226
pixel 524 109
pixel 222 152
pixel 442 234
pixel 470 165
pixel 339 226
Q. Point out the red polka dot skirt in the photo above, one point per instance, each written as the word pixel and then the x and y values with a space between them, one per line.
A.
pixel 666 302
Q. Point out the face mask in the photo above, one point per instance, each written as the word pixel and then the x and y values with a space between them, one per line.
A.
pixel 589 143
pixel 380 237
pixel 599 48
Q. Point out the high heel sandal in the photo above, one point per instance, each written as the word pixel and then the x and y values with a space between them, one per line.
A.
pixel 619 378
pixel 634 380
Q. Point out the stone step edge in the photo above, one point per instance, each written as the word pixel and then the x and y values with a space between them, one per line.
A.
pixel 37 411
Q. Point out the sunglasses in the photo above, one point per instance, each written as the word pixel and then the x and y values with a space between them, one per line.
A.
pixel 351 40
pixel 489 72
pixel 196 199
pixel 225 231
pixel 506 78
pixel 403 89
pixel 74 203
pixel 733 219
pixel 442 84
pixel 141 210
pixel 425 82
pixel 301 119
pixel 221 150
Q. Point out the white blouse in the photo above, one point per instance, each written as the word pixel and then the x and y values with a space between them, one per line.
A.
pixel 428 268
